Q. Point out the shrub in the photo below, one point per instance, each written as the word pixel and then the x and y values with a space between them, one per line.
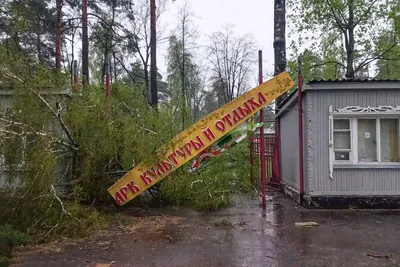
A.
pixel 213 186
pixel 9 238
pixel 75 141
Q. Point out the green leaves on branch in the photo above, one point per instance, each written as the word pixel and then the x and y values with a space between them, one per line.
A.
pixel 212 188
pixel 345 35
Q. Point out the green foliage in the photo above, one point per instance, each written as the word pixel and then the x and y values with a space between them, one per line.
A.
pixel 29 26
pixel 4 261
pixel 211 188
pixel 184 78
pixel 59 149
pixel 113 138
pixel 343 34
pixel 9 238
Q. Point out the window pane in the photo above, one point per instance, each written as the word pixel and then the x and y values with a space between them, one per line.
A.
pixel 341 124
pixel 367 140
pixel 342 156
pixel 389 140
pixel 341 140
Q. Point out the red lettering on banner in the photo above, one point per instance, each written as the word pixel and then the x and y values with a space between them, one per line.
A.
pixel 247 107
pixel 187 148
pixel 261 98
pixel 227 118
pixel 167 165
pixel 181 152
pixel 152 173
pixel 236 117
pixel 172 158
pixel 118 198
pixel 254 105
pixel 124 192
pixel 197 145
pixel 160 170
pixel 146 179
pixel 134 188
pixel 244 111
pixel 220 125
pixel 209 134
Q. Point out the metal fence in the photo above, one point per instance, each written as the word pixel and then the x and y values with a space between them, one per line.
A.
pixel 271 161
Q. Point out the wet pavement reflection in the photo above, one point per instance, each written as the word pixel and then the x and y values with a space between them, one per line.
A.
pixel 243 235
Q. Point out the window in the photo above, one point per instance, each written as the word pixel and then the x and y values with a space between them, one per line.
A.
pixel 389 130
pixel 366 140
pixel 342 139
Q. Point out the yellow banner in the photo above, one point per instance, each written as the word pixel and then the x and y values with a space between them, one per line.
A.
pixel 189 143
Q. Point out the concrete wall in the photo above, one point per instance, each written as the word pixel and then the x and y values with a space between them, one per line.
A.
pixel 10 178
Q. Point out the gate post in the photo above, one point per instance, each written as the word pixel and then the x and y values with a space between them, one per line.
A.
pixel 277 154
pixel 251 160
pixel 262 140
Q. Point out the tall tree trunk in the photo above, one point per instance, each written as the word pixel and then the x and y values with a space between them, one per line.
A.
pixel 147 92
pixel 58 34
pixel 115 68
pixel 184 100
pixel 280 41
pixel 85 44
pixel 153 56
pixel 350 43
pixel 39 51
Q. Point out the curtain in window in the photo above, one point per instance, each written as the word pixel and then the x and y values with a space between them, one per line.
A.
pixel 389 140
pixel 367 140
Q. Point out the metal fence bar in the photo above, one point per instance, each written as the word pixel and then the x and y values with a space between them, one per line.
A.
pixel 271 161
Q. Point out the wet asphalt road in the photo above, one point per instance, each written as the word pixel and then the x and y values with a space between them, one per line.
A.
pixel 242 235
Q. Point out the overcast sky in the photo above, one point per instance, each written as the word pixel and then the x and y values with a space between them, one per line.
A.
pixel 253 17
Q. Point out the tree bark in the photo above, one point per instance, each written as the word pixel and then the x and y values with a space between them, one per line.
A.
pixel 350 43
pixel 85 44
pixel 184 100
pixel 58 34
pixel 153 56
pixel 280 41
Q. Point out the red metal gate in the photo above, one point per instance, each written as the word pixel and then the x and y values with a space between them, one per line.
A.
pixel 271 160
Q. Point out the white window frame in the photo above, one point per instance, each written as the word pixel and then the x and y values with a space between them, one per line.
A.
pixel 351 140
pixel 353 113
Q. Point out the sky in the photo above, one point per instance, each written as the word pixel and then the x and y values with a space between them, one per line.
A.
pixel 253 17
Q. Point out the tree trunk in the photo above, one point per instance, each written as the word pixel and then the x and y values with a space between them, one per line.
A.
pixel 85 44
pixel 153 54
pixel 115 68
pixel 184 100
pixel 147 92
pixel 39 51
pixel 350 43
pixel 280 41
pixel 58 34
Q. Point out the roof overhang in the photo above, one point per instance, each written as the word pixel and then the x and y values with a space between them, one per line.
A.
pixel 360 85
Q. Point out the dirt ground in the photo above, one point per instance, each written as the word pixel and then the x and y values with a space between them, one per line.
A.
pixel 243 235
